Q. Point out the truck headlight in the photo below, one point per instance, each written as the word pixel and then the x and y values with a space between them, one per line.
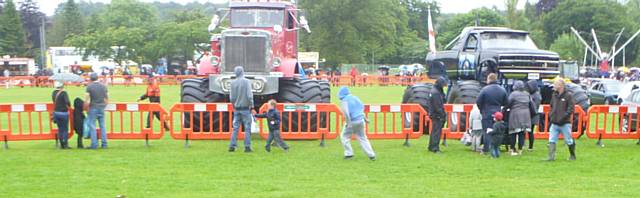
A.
pixel 226 85
pixel 256 85
pixel 215 60
pixel 276 62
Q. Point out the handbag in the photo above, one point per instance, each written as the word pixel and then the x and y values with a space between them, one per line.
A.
pixel 54 106
pixel 532 108
pixel 254 125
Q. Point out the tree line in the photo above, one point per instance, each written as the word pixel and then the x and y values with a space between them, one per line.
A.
pixel 343 31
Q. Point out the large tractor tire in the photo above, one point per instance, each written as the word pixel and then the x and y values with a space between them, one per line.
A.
pixel 417 94
pixel 465 92
pixel 197 91
pixel 325 89
pixel 302 91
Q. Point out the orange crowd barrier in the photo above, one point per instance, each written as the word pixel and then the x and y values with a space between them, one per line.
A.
pixel 128 121
pixel 458 121
pixel 18 81
pixel 306 121
pixel 404 121
pixel 20 122
pixel 191 121
pixel 613 122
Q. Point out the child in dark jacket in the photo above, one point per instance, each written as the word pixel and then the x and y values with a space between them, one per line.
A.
pixel 273 117
pixel 78 119
pixel 497 134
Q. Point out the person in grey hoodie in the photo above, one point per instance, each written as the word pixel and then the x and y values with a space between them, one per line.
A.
pixel 353 111
pixel 242 99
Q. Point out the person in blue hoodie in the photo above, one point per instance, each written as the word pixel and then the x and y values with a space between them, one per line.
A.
pixel 353 111
pixel 273 117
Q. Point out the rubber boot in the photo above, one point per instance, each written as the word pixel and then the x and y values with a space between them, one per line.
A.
pixel 552 152
pixel 572 151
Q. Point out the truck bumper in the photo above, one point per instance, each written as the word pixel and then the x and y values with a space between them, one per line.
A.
pixel 529 74
pixel 260 85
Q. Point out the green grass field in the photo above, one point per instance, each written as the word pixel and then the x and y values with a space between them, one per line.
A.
pixel 167 169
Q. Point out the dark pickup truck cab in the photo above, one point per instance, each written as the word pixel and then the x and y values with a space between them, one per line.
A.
pixel 478 51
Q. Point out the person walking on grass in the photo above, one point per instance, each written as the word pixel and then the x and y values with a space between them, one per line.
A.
pixel 521 108
pixel 61 113
pixel 273 117
pixel 562 106
pixel 437 114
pixel 242 99
pixel 534 91
pixel 353 111
pixel 153 94
pixel 490 100
pixel 96 98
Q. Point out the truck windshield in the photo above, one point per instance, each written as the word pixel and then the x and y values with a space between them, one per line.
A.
pixel 513 40
pixel 256 17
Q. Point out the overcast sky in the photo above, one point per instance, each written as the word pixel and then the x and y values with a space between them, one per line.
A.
pixel 448 6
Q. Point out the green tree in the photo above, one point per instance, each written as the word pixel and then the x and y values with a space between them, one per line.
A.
pixel 607 18
pixel 353 31
pixel 568 46
pixel 118 44
pixel 12 36
pixel 183 35
pixel 129 13
pixel 453 27
pixel 67 22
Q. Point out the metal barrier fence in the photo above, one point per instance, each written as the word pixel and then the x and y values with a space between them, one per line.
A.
pixel 405 121
pixel 613 122
pixel 122 121
pixel 306 121
pixel 458 121
pixel 21 122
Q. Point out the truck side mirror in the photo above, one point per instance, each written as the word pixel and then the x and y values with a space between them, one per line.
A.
pixel 305 24
pixel 215 20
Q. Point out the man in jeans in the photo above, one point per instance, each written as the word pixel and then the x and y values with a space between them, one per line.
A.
pixel 97 99
pixel 353 111
pixel 242 99
pixel 562 106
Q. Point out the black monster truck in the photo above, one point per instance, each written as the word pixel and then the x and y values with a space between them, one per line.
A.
pixel 479 51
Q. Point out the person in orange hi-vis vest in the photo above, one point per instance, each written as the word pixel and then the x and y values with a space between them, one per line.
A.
pixel 153 94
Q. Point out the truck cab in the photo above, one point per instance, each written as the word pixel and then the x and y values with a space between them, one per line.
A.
pixel 262 37
pixel 478 51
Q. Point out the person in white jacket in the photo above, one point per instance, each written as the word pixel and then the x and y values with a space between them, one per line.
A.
pixel 475 119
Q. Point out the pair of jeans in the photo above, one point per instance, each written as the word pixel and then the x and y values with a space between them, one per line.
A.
pixel 275 135
pixel 157 115
pixel 245 118
pixel 97 114
pixel 62 120
pixel 495 150
pixel 486 138
pixel 356 128
pixel 436 133
pixel 555 130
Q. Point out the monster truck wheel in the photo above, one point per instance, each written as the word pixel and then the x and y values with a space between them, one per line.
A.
pixel 301 91
pixel 325 89
pixel 197 91
pixel 465 92
pixel 417 94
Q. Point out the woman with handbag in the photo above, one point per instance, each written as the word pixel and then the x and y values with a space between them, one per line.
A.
pixel 61 113
pixel 519 116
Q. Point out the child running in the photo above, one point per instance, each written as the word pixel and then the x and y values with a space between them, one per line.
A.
pixel 273 117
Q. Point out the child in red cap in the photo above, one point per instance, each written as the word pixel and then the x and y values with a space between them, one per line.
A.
pixel 496 133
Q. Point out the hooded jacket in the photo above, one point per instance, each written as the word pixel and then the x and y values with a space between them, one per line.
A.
pixel 240 94
pixel 491 99
pixel 436 102
pixel 534 91
pixel 519 101
pixel 78 116
pixel 352 107
pixel 273 117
